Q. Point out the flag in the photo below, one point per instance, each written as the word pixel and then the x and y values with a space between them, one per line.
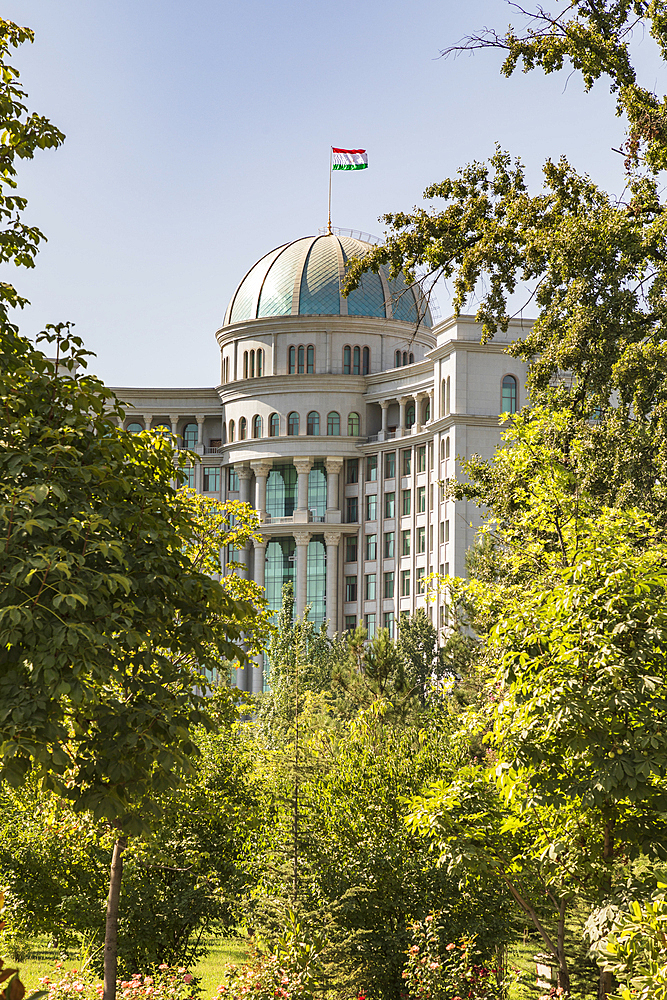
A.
pixel 349 159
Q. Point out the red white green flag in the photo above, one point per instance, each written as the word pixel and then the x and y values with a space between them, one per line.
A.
pixel 349 159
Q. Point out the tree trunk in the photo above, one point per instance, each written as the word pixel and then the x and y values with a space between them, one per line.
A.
pixel 111 927
pixel 606 983
pixel 563 971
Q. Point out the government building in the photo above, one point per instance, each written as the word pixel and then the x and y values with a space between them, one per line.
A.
pixel 339 419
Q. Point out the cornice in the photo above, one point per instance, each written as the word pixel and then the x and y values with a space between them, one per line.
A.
pixel 268 325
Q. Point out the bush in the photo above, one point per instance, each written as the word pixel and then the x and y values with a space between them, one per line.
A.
pixel 164 983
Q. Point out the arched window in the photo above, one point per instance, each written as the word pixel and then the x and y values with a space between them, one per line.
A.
pixel 353 425
pixel 411 359
pixel 405 357
pixel 333 424
pixel 442 449
pixel 245 364
pixel 310 359
pixel 397 359
pixel 426 411
pixel 243 429
pixel 410 415
pixel 257 426
pixel 274 425
pixel 446 447
pixel 231 430
pixel 252 364
pixel 291 360
pixel 302 355
pixel 313 423
pixel 260 363
pixel 367 361
pixel 293 424
pixel 190 436
pixel 508 395
pixel 347 360
pixel 356 366
pixel 134 428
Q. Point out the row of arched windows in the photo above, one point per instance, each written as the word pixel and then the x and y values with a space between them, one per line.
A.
pixel 293 425
pixel 301 360
pixel 403 358
pixel 356 360
pixel 253 363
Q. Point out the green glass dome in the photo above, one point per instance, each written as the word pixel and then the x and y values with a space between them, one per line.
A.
pixel 304 278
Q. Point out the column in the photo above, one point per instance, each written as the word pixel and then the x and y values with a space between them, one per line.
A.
pixel 174 417
pixel 257 670
pixel 261 470
pixel 303 467
pixel 332 539
pixel 302 539
pixel 148 420
pixel 200 431
pixel 419 403
pixel 333 467
pixel 385 419
pixel 400 430
pixel 245 474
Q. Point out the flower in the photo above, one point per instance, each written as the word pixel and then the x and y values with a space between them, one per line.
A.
pixel 450 947
pixel 187 978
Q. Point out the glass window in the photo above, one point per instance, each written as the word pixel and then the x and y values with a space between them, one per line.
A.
pixel 406 502
pixel 211 478
pixel 243 429
pixel 369 621
pixel 447 448
pixel 353 470
pixel 350 623
pixel 388 587
pixel 421 458
pixel 405 542
pixel 260 363
pixel 317 490
pixel 252 364
pixel 231 430
pixel 232 480
pixel 301 354
pixel 371 507
pixel 274 425
pixel 352 510
pixel 347 360
pixel 351 548
pixel 421 499
pixel 390 465
pixel 372 468
pixel 508 401
pixel 291 361
pixel 397 359
pixel 356 365
pixel 389 544
pixel 389 504
pixel 388 622
pixel 447 530
pixel 245 364
pixel 421 539
pixel 405 583
pixel 333 424
pixel 410 415
pixel 406 462
pixel 353 425
pixel 411 358
pixel 420 582
pixel 313 423
pixel 135 428
pixel 427 411
pixel 441 532
pixel 257 426
pixel 405 357
pixel 190 435
pixel 310 359
pixel 281 491
pixel 293 424
pixel 430 538
pixel 446 569
pixel 366 361
pixel 316 575
pixel 350 588
pixel 189 476
pixel 371 546
pixel 369 586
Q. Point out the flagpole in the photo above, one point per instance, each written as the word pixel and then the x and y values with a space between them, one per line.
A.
pixel 330 173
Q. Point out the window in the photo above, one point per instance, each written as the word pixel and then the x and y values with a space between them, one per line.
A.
pixel 443 608
pixel 411 359
pixel 426 411
pixel 388 622
pixel 353 425
pixel 301 356
pixel 291 361
pixel 406 461
pixel 430 497
pixel 352 510
pixel 347 360
pixel 508 395
pixel 397 359
pixel 405 357
pixel 231 430
pixel 410 415
pixel 371 507
pixel 421 539
pixel 369 587
pixel 430 455
pixel 211 478
pixel 260 363
pixel 190 435
pixel 243 429
pixel 447 448
pixel 372 468
pixel 245 364
pixel 420 582
pixel 389 544
pixel 356 364
pixel 232 480
pixel 406 502
pixel 135 428
pixel 430 538
pixel 252 364
pixel 353 470
pixel 405 583
pixel 405 542
pixel 293 424
pixel 390 465
pixel 421 499
pixel 441 532
pixel 366 361
pixel 350 623
pixel 257 426
pixel 274 425
pixel 351 548
pixel 388 586
pixel 350 588
pixel 333 424
pixel 313 422
pixel 369 621
pixel 389 504
pixel 447 530
pixel 371 546
pixel 421 458
pixel 310 359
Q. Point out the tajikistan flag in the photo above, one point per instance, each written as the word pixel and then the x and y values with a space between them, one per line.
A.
pixel 349 159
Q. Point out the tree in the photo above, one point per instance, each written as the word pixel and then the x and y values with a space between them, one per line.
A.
pixel 418 642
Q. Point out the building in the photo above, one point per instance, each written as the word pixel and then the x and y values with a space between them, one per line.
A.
pixel 338 419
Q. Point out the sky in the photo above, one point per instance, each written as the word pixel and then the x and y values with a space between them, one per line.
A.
pixel 198 138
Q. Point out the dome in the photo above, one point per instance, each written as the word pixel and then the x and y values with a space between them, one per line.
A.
pixel 304 278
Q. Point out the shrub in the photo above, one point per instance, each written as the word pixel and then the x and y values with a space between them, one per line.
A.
pixel 163 983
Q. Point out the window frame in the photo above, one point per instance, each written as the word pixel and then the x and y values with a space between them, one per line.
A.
pixel 257 427
pixel 243 429
pixel 313 421
pixel 274 419
pixel 331 423
pixel 293 420
pixel 353 424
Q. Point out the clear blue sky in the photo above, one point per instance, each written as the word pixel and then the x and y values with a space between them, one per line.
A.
pixel 198 138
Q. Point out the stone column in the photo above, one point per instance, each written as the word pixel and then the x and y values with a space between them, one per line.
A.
pixel 148 420
pixel 419 402
pixel 261 470
pixel 303 467
pixel 333 467
pixel 332 539
pixel 245 475
pixel 302 539
pixel 402 403
pixel 257 670
pixel 200 430
pixel 174 417
pixel 385 418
